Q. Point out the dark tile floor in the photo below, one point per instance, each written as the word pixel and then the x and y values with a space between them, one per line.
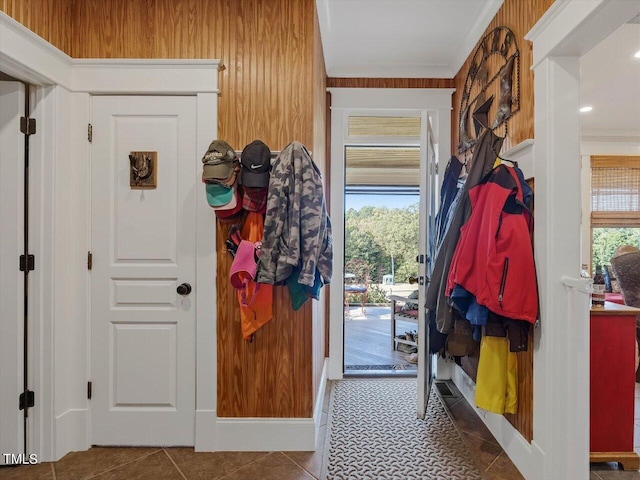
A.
pixel 115 463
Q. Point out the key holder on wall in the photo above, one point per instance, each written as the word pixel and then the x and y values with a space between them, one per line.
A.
pixel 494 72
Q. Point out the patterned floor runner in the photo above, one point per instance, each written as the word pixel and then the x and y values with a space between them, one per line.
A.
pixel 374 435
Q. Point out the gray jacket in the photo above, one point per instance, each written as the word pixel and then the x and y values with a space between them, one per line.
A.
pixel 484 156
pixel 297 229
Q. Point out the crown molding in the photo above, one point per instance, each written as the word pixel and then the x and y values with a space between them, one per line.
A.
pixel 30 58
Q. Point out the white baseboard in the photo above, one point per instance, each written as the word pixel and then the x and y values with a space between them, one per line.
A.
pixel 265 434
pixel 205 440
pixel 322 387
pixel 527 457
pixel 71 432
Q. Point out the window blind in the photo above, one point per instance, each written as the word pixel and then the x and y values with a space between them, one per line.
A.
pixel 615 191
pixel 385 126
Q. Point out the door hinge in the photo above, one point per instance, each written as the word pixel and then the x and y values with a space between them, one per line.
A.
pixel 26 400
pixel 90 133
pixel 89 390
pixel 28 125
pixel 27 263
pixel 89 260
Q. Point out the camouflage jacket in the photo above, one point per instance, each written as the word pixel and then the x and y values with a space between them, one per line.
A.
pixel 297 229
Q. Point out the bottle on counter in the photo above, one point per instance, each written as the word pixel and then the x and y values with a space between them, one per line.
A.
pixel 597 297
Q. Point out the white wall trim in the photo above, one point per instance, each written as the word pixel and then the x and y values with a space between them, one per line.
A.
pixel 206 432
pixel 25 55
pixel 265 434
pixel 573 27
pixel 322 387
pixel 546 19
pixel 523 154
pixel 71 432
pixel 42 172
pixel 519 148
pixel 176 77
pixel 206 291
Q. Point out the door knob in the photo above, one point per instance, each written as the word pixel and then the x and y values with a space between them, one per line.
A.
pixel 184 289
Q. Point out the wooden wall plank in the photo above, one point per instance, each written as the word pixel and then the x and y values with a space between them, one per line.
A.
pixel 51 19
pixel 338 82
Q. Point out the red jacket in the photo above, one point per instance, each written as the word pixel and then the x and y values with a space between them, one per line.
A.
pixel 494 256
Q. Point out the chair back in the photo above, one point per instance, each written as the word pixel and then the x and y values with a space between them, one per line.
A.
pixel 626 268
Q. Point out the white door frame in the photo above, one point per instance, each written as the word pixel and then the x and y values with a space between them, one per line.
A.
pixel 60 194
pixel 568 30
pixel 411 101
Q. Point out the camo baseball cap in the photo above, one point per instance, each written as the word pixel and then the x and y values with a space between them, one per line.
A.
pixel 256 163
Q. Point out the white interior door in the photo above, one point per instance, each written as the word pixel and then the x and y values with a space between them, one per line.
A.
pixel 143 244
pixel 11 278
pixel 425 223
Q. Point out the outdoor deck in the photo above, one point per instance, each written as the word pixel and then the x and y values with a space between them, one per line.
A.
pixel 367 340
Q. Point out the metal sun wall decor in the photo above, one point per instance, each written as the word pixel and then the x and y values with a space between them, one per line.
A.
pixel 495 63
pixel 143 171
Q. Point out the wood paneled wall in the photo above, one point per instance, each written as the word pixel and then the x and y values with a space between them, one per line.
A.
pixel 390 82
pixel 519 16
pixel 269 91
pixel 266 46
pixel 51 19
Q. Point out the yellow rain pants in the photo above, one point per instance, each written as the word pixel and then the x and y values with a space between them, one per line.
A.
pixel 497 380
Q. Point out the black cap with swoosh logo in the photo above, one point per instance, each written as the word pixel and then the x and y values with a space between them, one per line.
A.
pixel 256 163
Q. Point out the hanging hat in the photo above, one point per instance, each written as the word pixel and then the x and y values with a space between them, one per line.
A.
pixel 244 264
pixel 256 163
pixel 233 203
pixel 218 195
pixel 218 171
pixel 219 160
pixel 219 150
pixel 232 210
pixel 254 199
pixel 228 181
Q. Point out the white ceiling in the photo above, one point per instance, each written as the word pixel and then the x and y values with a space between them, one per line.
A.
pixel 610 83
pixel 401 38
